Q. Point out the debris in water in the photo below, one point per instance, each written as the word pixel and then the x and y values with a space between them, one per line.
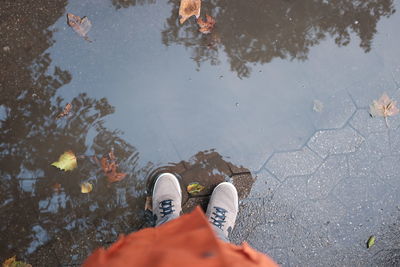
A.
pixel 80 25
pixel 65 112
pixel 66 161
pixel 12 262
pixel 318 106
pixel 207 25
pixel 194 188
pixel 86 187
pixel 109 167
pixel 189 8
pixel 384 107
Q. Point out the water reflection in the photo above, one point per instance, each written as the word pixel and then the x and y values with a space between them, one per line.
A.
pixel 259 31
pixel 34 211
pixel 127 3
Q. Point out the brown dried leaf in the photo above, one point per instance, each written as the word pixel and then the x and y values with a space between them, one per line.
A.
pixel 207 25
pixel 57 187
pixel 189 8
pixel 384 107
pixel 149 203
pixel 65 112
pixel 109 167
pixel 80 25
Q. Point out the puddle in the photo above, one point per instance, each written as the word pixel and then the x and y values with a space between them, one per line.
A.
pixel 158 92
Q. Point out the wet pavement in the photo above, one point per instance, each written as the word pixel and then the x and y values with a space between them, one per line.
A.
pixel 234 105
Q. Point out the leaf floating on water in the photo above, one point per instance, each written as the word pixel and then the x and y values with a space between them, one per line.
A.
pixel 194 188
pixel 109 167
pixel 207 25
pixel 149 203
pixel 66 162
pixel 80 25
pixel 318 106
pixel 384 107
pixel 57 187
pixel 371 241
pixel 12 262
pixel 65 112
pixel 86 187
pixel 189 8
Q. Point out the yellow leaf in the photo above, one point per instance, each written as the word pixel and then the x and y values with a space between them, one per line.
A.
pixel 66 162
pixel 12 262
pixel 189 8
pixel 194 188
pixel 9 262
pixel 86 187
pixel 371 241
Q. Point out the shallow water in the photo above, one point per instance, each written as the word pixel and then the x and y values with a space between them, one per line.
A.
pixel 158 93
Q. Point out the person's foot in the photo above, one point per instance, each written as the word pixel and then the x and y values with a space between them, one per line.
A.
pixel 167 197
pixel 223 207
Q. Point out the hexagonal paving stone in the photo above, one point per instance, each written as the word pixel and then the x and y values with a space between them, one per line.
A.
pixel 264 185
pixel 301 162
pixel 370 88
pixel 251 214
pixel 320 216
pixel 363 162
pixel 340 141
pixel 287 196
pixel 337 109
pixel 395 141
pixel 327 176
pixel 365 124
pixel 388 168
pixel 355 192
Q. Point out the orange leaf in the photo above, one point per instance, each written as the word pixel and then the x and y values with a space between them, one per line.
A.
pixel 65 112
pixel 207 25
pixel 57 187
pixel 109 167
pixel 189 8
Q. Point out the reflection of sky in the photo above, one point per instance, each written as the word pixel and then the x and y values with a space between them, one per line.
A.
pixel 169 111
pixel 39 237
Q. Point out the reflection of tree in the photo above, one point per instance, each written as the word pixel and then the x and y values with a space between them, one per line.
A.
pixel 259 31
pixel 127 3
pixel 46 225
pixel 31 211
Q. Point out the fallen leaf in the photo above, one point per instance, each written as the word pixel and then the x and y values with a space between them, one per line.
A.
pixel 194 188
pixel 57 187
pixel 189 8
pixel 86 187
pixel 149 203
pixel 12 262
pixel 65 112
pixel 109 167
pixel 207 25
pixel 66 162
pixel 80 25
pixel 371 241
pixel 318 106
pixel 384 107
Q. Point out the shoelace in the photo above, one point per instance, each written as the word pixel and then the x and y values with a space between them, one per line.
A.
pixel 219 217
pixel 166 207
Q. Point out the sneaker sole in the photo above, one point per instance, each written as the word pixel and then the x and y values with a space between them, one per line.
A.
pixel 176 181
pixel 233 187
